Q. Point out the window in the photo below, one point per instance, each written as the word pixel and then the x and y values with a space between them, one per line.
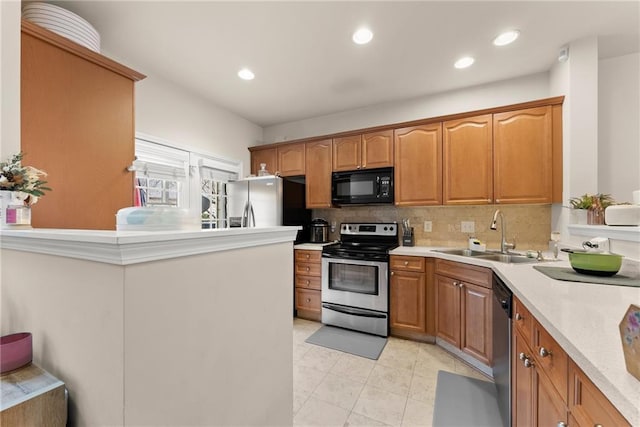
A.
pixel 169 176
pixel 161 175
pixel 212 175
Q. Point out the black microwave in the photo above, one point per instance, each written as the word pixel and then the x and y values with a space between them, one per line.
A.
pixel 362 187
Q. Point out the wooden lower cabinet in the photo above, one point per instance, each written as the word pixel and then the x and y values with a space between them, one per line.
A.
pixel 587 405
pixel 307 282
pixel 411 298
pixel 548 388
pixel 463 308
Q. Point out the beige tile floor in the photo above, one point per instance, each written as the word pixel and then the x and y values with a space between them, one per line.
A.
pixel 331 388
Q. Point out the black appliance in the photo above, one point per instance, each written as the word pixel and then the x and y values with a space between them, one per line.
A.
pixel 355 277
pixel 319 231
pixel 502 347
pixel 362 187
pixel 294 210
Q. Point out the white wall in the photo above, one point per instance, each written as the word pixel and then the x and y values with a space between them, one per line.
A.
pixel 619 126
pixel 505 92
pixel 9 77
pixel 185 119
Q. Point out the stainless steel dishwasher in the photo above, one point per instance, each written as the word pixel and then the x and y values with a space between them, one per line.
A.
pixel 502 347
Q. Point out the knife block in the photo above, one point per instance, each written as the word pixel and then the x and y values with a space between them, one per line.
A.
pixel 408 239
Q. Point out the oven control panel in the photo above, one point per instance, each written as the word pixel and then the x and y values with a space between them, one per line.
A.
pixel 369 229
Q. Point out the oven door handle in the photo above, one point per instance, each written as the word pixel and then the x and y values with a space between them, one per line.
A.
pixel 354 311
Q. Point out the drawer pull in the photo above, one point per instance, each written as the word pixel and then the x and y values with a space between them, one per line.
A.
pixel 308 268
pixel 519 316
pixel 527 362
pixel 392 273
pixel 562 424
pixel 308 299
pixel 308 282
pixel 544 352
pixel 522 356
pixel 307 256
pixel 406 263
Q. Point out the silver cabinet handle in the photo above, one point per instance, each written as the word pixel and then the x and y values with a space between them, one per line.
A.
pixel 358 167
pixel 597 425
pixel 406 263
pixel 519 316
pixel 544 352
pixel 562 424
pixel 364 166
pixel 488 200
pixel 393 272
pixel 527 363
pixel 522 356
pixel 308 299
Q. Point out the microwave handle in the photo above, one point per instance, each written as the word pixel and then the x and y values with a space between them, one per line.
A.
pixel 378 185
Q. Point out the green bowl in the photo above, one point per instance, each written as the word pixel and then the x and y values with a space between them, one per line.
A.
pixel 595 264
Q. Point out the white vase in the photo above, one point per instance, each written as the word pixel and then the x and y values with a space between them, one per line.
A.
pixel 13 212
pixel 579 216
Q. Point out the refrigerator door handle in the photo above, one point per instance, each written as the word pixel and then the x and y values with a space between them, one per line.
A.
pixel 245 214
pixel 251 215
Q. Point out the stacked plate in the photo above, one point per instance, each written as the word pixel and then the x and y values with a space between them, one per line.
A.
pixel 62 22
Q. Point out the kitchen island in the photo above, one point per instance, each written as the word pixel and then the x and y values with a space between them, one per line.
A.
pixel 157 328
pixel 582 317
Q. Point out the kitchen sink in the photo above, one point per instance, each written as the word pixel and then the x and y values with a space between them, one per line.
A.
pixel 489 255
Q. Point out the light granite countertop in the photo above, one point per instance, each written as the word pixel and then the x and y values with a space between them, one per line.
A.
pixel 313 246
pixel 582 317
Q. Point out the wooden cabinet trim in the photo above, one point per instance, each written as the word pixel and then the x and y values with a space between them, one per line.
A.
pixel 319 165
pixel 74 48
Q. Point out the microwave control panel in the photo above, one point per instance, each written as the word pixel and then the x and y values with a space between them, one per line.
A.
pixel 385 186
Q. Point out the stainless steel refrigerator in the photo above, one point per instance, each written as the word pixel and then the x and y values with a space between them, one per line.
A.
pixel 255 202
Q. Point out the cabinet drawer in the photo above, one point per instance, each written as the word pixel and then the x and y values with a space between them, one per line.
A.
pixel 481 276
pixel 551 358
pixel 522 320
pixel 307 299
pixel 308 256
pixel 308 269
pixel 310 282
pixel 407 263
pixel 588 405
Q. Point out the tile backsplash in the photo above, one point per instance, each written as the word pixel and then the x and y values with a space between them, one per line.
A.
pixel 529 224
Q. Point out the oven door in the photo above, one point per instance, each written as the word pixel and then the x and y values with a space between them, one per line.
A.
pixel 356 283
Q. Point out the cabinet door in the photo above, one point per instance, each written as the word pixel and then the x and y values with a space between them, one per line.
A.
pixel 468 161
pixel 346 153
pixel 407 301
pixel 448 309
pixel 476 322
pixel 549 409
pixel 269 156
pixel 522 146
pixel 377 149
pixel 418 165
pixel 318 176
pixel 521 383
pixel 77 125
pixel 291 159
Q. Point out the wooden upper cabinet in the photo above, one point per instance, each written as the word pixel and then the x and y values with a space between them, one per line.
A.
pixel 346 153
pixel 523 148
pixel 77 124
pixel 318 176
pixel 268 156
pixel 368 151
pixel 418 165
pixel 468 161
pixel 377 149
pixel 291 159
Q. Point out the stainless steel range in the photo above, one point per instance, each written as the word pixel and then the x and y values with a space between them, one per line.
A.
pixel 355 277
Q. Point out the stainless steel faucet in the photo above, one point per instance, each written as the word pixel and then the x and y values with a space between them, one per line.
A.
pixel 504 245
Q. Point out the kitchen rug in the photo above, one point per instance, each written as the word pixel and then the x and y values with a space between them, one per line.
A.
pixel 463 401
pixel 568 274
pixel 360 344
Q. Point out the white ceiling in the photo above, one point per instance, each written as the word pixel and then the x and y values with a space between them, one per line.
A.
pixel 306 64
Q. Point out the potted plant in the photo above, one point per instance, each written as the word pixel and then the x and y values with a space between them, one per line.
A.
pixel 593 206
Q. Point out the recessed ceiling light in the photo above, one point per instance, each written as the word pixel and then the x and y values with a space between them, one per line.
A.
pixel 246 74
pixel 362 36
pixel 506 38
pixel 464 62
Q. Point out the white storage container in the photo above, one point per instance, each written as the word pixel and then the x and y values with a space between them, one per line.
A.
pixel 159 218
